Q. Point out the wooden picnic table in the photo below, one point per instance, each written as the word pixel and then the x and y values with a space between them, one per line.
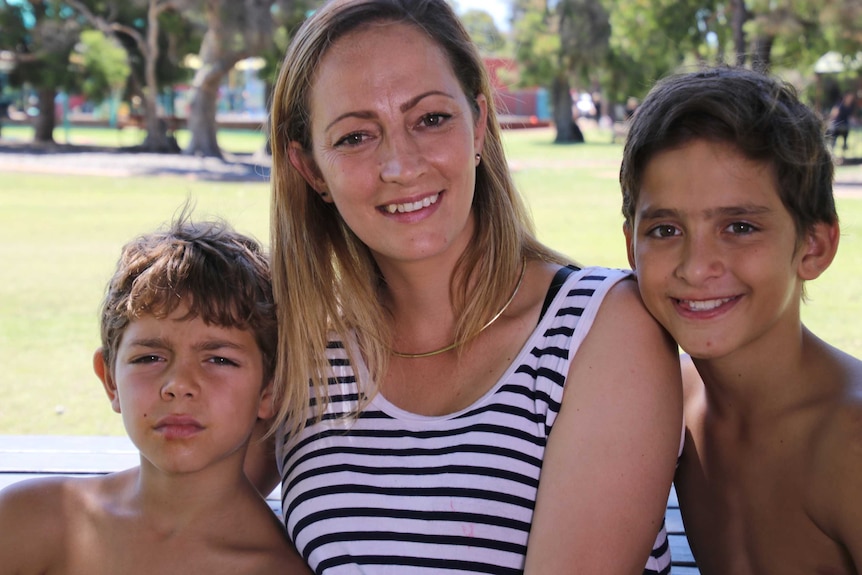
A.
pixel 29 456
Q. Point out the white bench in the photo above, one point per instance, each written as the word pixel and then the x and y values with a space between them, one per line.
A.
pixel 27 456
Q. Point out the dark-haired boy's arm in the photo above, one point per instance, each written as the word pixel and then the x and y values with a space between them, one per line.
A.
pixel 845 486
pixel 260 466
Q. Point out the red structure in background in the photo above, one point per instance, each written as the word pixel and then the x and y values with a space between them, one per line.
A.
pixel 523 108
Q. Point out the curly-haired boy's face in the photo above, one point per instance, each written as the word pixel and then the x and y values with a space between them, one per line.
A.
pixel 715 250
pixel 189 391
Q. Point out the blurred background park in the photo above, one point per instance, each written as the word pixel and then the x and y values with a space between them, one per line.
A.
pixel 115 113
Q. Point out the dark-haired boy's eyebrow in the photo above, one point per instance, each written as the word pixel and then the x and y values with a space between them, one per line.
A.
pixel 649 213
pixel 659 213
pixel 743 210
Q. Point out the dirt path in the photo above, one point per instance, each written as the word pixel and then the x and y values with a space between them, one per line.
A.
pixel 96 161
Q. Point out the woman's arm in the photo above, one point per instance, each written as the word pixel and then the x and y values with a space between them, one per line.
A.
pixel 611 455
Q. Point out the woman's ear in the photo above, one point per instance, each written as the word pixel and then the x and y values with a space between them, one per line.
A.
pixel 302 161
pixel 818 249
pixel 481 123
pixel 103 372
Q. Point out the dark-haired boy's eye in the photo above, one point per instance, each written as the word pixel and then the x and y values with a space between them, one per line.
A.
pixel 663 231
pixel 741 228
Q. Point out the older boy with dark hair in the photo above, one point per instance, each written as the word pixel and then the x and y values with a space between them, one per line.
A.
pixel 188 346
pixel 727 197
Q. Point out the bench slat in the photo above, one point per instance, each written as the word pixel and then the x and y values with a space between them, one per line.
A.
pixel 30 456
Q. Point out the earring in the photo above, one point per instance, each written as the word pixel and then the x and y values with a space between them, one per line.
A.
pixel 324 194
pixel 478 158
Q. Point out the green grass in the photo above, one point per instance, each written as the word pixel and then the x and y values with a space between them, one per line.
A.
pixel 60 237
pixel 234 141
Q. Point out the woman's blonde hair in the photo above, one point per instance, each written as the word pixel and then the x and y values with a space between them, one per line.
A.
pixel 325 279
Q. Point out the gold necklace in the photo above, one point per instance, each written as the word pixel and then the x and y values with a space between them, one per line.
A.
pixel 455 344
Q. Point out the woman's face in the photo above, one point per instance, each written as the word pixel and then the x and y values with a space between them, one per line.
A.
pixel 394 142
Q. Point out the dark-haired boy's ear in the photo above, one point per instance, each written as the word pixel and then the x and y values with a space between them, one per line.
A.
pixel 630 244
pixel 818 249
pixel 103 372
pixel 302 161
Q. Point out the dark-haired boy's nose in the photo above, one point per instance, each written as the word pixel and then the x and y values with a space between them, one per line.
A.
pixel 700 260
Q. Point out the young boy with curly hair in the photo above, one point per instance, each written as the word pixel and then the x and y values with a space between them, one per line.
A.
pixel 188 350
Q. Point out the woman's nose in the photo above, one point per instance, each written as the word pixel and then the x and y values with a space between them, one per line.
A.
pixel 402 160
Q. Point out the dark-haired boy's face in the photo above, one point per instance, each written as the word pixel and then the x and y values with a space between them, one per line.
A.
pixel 714 249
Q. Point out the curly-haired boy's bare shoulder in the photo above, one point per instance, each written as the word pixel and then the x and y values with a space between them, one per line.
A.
pixel 36 518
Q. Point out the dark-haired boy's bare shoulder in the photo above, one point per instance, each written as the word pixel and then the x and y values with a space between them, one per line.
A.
pixel 837 459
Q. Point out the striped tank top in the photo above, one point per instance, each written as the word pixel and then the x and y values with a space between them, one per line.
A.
pixel 392 492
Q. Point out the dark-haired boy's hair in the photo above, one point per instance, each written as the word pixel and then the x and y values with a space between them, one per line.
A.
pixel 222 276
pixel 758 115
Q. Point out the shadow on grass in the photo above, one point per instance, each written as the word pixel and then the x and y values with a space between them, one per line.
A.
pixel 130 161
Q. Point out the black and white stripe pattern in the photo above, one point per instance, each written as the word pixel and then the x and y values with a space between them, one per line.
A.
pixel 392 492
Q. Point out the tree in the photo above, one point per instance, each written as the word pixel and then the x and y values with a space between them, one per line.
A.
pixel 484 32
pixel 584 27
pixel 648 43
pixel 234 31
pixel 103 64
pixel 147 43
pixel 558 44
pixel 41 51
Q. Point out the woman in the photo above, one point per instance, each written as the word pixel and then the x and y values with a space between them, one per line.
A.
pixel 439 335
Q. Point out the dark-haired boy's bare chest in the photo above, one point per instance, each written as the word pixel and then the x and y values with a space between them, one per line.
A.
pixel 746 503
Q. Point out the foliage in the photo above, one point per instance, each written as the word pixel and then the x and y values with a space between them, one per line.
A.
pixel 484 32
pixel 536 44
pixel 652 38
pixel 42 49
pixel 103 64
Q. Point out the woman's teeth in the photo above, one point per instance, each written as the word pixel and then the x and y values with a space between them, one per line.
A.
pixel 412 206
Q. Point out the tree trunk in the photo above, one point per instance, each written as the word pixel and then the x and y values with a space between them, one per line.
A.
pixel 46 121
pixel 202 112
pixel 561 96
pixel 157 139
pixel 740 16
pixel 761 54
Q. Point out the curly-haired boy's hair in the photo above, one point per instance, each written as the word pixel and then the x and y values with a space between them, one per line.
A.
pixel 222 276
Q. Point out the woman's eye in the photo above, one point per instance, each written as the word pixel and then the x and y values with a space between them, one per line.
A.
pixel 353 139
pixel 433 120
pixel 663 231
